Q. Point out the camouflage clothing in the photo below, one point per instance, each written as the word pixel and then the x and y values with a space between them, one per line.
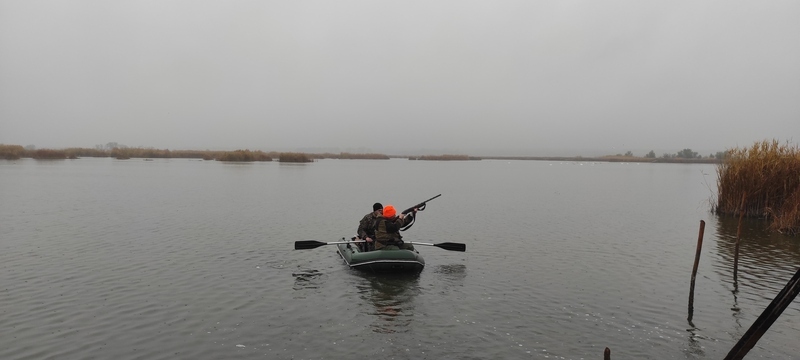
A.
pixel 387 232
pixel 366 227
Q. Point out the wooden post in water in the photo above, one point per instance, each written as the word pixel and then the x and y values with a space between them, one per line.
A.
pixel 765 320
pixel 738 239
pixel 736 249
pixel 694 270
pixel 607 354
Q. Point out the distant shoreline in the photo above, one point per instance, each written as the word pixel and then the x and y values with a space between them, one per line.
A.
pixel 608 158
pixel 627 159
pixel 11 152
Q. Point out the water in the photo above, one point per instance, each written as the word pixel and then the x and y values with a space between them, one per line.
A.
pixel 165 259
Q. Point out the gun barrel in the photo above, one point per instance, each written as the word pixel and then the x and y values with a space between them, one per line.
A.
pixel 406 211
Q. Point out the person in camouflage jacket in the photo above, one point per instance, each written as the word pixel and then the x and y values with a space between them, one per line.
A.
pixel 387 229
pixel 366 227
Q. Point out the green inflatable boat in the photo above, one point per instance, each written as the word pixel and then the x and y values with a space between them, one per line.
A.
pixel 391 259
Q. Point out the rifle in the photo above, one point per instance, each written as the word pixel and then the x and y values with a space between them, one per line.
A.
pixel 421 206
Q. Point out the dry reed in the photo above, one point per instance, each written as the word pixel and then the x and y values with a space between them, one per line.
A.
pixel 244 155
pixel 353 156
pixel 11 152
pixel 294 157
pixel 47 154
pixel 767 176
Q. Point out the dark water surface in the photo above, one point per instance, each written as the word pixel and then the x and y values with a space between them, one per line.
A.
pixel 167 259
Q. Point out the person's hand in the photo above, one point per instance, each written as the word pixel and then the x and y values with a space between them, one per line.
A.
pixel 368 239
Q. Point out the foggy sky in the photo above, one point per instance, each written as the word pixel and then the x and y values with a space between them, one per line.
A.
pixel 474 77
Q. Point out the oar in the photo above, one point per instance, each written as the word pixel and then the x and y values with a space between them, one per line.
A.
pixel 313 244
pixel 445 245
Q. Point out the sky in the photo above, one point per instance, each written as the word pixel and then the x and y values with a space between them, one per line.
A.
pixel 527 78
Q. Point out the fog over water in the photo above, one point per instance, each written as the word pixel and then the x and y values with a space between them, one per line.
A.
pixel 482 78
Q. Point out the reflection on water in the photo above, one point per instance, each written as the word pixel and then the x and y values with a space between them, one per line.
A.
pixel 451 276
pixel 693 347
pixel 307 279
pixel 453 272
pixel 767 260
pixel 392 297
pixel 763 245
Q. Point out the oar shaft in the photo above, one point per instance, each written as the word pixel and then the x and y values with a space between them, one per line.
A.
pixel 312 244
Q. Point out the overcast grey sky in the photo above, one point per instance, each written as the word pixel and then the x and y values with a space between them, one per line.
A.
pixel 476 77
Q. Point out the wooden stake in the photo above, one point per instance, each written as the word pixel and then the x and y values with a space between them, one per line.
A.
pixel 738 240
pixel 607 354
pixel 694 270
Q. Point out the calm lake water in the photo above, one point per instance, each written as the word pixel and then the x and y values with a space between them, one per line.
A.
pixel 187 259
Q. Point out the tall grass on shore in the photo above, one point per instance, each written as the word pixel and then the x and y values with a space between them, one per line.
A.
pixel 74 153
pixel 122 153
pixel 293 157
pixel 350 156
pixel 244 155
pixel 11 152
pixel 14 152
pixel 48 154
pixel 763 181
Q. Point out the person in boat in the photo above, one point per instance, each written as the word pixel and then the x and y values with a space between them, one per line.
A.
pixel 387 228
pixel 366 227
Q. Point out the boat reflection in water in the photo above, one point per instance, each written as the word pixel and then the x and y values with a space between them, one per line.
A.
pixel 392 296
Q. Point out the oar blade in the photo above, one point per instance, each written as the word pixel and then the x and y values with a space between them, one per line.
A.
pixel 452 246
pixel 308 244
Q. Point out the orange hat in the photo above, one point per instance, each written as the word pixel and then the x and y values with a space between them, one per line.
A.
pixel 389 211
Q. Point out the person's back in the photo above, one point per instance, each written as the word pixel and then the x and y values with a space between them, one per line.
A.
pixel 387 229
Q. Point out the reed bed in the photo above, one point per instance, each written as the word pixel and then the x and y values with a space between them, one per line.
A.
pixel 48 154
pixel 293 157
pixel 122 153
pixel 85 152
pixel 11 152
pixel 762 181
pixel 244 155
